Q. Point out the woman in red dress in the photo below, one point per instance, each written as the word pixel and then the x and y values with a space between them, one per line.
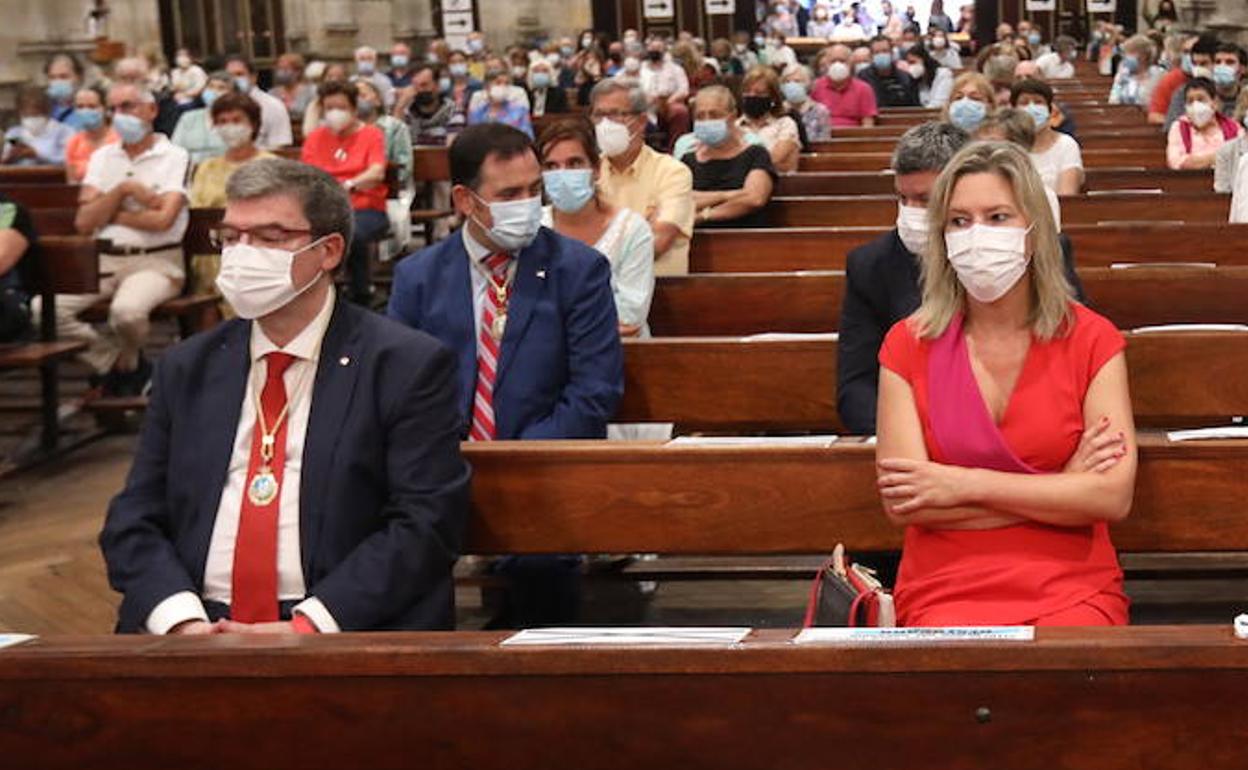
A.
pixel 1006 440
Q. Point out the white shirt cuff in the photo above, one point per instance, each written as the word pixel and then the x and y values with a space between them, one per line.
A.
pixel 179 608
pixel 315 610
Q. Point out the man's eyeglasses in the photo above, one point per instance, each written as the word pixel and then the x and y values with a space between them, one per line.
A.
pixel 266 236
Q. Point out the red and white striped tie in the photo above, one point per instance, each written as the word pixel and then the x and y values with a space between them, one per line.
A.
pixel 487 352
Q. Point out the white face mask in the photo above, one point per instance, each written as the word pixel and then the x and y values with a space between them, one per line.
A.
pixel 912 228
pixel 499 93
pixel 233 134
pixel 838 71
pixel 632 64
pixel 613 138
pixel 256 280
pixel 1200 113
pixel 515 222
pixel 337 120
pixel 988 260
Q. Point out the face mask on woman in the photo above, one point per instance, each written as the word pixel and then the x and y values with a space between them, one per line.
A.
pixel 569 189
pixel 233 135
pixel 756 106
pixel 967 114
pixel 1039 114
pixel 988 260
pixel 794 92
pixel 499 93
pixel 1200 113
pixel 541 80
pixel 89 118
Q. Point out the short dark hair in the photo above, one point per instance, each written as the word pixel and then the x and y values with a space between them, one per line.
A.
pixel 1205 44
pixel 1031 86
pixel 476 143
pixel 1200 84
pixel 336 87
pixel 236 102
pixel 880 39
pixel 577 129
pixel 67 56
pixel 234 57
pixel 1232 48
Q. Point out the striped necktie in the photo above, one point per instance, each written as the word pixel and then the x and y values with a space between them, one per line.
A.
pixel 487 350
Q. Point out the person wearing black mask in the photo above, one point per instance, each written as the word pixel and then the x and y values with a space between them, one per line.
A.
pixel 765 116
pixel 424 110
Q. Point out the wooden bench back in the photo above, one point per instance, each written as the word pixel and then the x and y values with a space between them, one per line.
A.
pixel 1097 180
pixel 1127 139
pixel 881 161
pixel 10 175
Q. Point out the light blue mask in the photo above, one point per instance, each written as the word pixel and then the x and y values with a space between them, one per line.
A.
pixel 1130 65
pixel 516 223
pixel 967 114
pixel 1224 76
pixel 1034 38
pixel 444 84
pixel 60 90
pixel 569 189
pixel 398 61
pixel 132 130
pixel 89 119
pixel 242 83
pixel 208 96
pixel 882 61
pixel 1039 114
pixel 541 80
pixel 1185 63
pixel 712 133
pixel 794 92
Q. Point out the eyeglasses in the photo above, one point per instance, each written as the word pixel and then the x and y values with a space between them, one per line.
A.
pixel 265 236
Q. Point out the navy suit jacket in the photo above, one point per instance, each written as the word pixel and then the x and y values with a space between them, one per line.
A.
pixel 383 495
pixel 561 366
pixel 881 288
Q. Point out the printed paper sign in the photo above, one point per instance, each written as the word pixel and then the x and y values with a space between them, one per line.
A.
pixel 456 23
pixel 1102 6
pixel 1042 5
pixel 659 9
pixel 663 636
pixel 721 7
pixel 915 635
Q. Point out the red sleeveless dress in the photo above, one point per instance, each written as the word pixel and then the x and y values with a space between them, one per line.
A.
pixel 1029 573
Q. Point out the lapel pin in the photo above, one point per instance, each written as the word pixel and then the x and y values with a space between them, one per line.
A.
pixel 344 361
pixel 541 274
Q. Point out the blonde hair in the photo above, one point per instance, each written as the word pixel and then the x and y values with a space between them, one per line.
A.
pixel 768 76
pixel 979 83
pixel 943 295
pixel 1241 104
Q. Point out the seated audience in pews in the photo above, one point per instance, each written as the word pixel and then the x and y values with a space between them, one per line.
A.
pixel 65 77
pixel 428 113
pixel 764 114
pixel 1199 65
pixel 946 55
pixel 133 200
pixel 1229 62
pixel 938 20
pixel 545 95
pixel 971 100
pixel 17 242
pixel 934 80
pixel 298 468
pixel 95 131
pixel 501 106
pixel 1059 63
pixel 591 70
pixel 1056 155
pixel 397 138
pixel 275 127
pixel 1009 124
pixel 462 86
pixel 732 179
pixel 1176 57
pixel 571 168
pixel 1000 70
pixel 236 122
pixel 289 86
pixel 194 131
pixel 1226 161
pixel 400 72
pixel 1137 74
pixel 1194 139
pixel 1006 440
pixel 186 78
pixel 354 153
pixel 666 85
pixel 635 176
pixel 850 101
pixel 37 140
pixel 812 117
pixel 893 87
pixel 366 70
pixel 529 314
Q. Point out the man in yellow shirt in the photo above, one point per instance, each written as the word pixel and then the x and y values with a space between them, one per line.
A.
pixel 656 186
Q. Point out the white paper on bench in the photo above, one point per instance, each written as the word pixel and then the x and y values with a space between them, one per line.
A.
pixel 827 440
pixel 910 635
pixel 791 337
pixel 1144 266
pixel 9 640
pixel 1191 328
pixel 659 635
pixel 1225 431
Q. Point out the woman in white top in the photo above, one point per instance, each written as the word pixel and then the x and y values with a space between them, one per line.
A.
pixel 1056 155
pixel 764 114
pixel 945 55
pixel 935 82
pixel 570 168
pixel 821 23
pixel 1137 75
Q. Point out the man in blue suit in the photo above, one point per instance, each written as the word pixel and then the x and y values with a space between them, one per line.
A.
pixel 299 472
pixel 531 317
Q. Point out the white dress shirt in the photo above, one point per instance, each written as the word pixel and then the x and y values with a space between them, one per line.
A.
pixel 218 570
pixel 275 128
pixel 664 80
pixel 477 252
pixel 162 168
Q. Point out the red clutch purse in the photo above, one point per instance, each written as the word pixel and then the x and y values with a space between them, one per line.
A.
pixel 848 594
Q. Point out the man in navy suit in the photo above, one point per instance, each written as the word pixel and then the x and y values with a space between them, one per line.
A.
pixel 531 317
pixel 299 472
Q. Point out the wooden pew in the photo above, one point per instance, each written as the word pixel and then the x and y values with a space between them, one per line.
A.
pixel 733 384
pixel 727 304
pixel 880 161
pixel 881 210
pixel 31 175
pixel 1105 698
pixel 1153 141
pixel 825 248
pixel 1097 180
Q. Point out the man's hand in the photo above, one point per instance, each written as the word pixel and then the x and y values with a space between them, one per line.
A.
pixel 231 627
pixel 20 151
pixel 912 485
pixel 194 628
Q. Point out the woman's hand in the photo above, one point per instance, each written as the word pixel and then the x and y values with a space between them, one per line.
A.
pixel 1099 449
pixel 913 485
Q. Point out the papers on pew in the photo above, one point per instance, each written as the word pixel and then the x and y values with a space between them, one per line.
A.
pixel 761 441
pixel 665 636
pixel 913 635
pixel 1191 328
pixel 790 337
pixel 1209 434
pixel 1156 265
pixel 11 640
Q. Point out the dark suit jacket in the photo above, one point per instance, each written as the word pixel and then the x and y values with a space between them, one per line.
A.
pixel 881 288
pixel 383 494
pixel 560 368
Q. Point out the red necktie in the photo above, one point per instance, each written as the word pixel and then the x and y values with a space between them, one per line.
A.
pixel 487 351
pixel 254 579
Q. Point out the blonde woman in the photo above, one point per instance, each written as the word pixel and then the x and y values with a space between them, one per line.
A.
pixel 763 114
pixel 1006 442
pixel 971 100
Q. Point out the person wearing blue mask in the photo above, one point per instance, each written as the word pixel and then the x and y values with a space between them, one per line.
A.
pixel 400 73
pixel 892 86
pixel 733 180
pixel 37 140
pixel 65 76
pixel 529 314
pixel 545 95
pixel 193 132
pixel 96 132
pixel 1057 156
pixel 1228 72
pixel 815 119
pixel 1137 75
pixel 970 102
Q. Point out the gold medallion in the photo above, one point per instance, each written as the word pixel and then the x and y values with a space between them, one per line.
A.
pixel 499 326
pixel 263 487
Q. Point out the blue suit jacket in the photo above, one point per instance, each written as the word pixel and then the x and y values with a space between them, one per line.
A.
pixel 561 366
pixel 383 495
